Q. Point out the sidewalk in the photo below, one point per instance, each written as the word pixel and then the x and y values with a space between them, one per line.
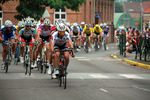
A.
pixel 130 59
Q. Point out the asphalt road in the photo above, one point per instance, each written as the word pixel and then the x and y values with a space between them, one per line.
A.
pixel 92 76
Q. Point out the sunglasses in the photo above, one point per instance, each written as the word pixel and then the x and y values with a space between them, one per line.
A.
pixel 62 32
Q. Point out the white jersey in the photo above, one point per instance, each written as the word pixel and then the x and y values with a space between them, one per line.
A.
pixel 60 41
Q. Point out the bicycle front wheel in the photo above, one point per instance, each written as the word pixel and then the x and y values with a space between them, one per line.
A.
pixel 29 63
pixel 65 76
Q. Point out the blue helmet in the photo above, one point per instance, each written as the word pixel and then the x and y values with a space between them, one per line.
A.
pixel 28 22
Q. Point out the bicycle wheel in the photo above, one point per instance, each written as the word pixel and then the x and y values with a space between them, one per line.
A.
pixel 16 60
pixel 7 61
pixel 60 75
pixel 86 47
pixel 100 44
pixel 104 45
pixel 45 63
pixel 29 63
pixel 25 65
pixel 96 46
pixel 64 75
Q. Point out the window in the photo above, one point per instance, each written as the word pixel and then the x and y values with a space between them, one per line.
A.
pixel 63 16
pixel 0 14
pixel 60 14
pixel 57 16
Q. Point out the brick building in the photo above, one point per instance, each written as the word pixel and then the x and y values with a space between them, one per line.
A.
pixel 88 12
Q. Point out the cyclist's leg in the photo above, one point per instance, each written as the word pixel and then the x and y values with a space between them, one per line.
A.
pixel 31 50
pixel 56 59
pixel 13 45
pixel 98 36
pixel 4 53
pixel 66 55
pixel 89 41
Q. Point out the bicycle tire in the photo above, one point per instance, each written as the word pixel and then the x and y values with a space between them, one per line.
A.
pixel 104 45
pixel 6 67
pixel 60 77
pixel 100 44
pixel 7 61
pixel 96 46
pixel 64 75
pixel 45 63
pixel 29 63
pixel 24 64
pixel 86 47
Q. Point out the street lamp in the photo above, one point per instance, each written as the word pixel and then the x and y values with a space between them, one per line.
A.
pixel 141 15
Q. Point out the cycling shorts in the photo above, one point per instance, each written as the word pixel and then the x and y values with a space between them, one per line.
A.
pixel 27 40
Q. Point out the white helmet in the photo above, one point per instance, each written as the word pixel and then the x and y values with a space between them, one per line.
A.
pixel 105 24
pixel 34 23
pixel 46 22
pixel 61 27
pixel 8 23
pixel 101 24
pixel 20 24
pixel 75 24
pixel 122 27
pixel 82 23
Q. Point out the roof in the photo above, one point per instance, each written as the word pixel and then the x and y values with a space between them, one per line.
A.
pixel 131 7
pixel 117 16
pixel 146 7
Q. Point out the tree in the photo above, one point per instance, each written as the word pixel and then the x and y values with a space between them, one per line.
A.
pixel 36 8
pixel 118 7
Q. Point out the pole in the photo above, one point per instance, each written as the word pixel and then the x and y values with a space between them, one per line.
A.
pixel 141 15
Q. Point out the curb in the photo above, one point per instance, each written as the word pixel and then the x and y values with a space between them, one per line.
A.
pixel 133 63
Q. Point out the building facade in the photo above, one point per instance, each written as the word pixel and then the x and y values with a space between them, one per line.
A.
pixel 92 12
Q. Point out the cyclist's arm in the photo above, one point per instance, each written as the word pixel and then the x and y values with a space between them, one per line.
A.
pixel 70 43
pixel 1 36
pixel 78 33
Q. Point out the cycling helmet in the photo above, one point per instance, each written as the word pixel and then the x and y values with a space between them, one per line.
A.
pixel 46 22
pixel 82 23
pixel 88 25
pixel 105 24
pixel 122 27
pixel 61 27
pixel 101 24
pixel 75 24
pixel 59 21
pixel 34 23
pixel 96 25
pixel 28 22
pixel 8 23
pixel 20 24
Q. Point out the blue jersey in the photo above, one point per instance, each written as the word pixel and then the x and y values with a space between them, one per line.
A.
pixel 105 30
pixel 81 30
pixel 6 34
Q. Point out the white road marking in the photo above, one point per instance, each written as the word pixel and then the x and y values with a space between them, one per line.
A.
pixel 84 59
pixel 82 78
pixel 103 90
pixel 131 76
pixel 141 88
pixel 80 57
pixel 99 76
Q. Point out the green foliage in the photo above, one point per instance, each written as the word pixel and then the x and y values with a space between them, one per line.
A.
pixel 118 7
pixel 36 8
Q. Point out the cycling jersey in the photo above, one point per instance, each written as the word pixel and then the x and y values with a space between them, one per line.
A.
pixel 87 31
pixel 75 30
pixel 97 31
pixel 60 41
pixel 27 34
pixel 105 30
pixel 6 34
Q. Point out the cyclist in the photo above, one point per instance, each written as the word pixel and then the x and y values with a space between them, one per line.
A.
pixel 87 31
pixel 81 33
pixel 60 40
pixel 26 35
pixel 41 23
pixel 19 26
pixel 97 31
pixel 44 35
pixel 106 33
pixel 75 31
pixel 6 33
